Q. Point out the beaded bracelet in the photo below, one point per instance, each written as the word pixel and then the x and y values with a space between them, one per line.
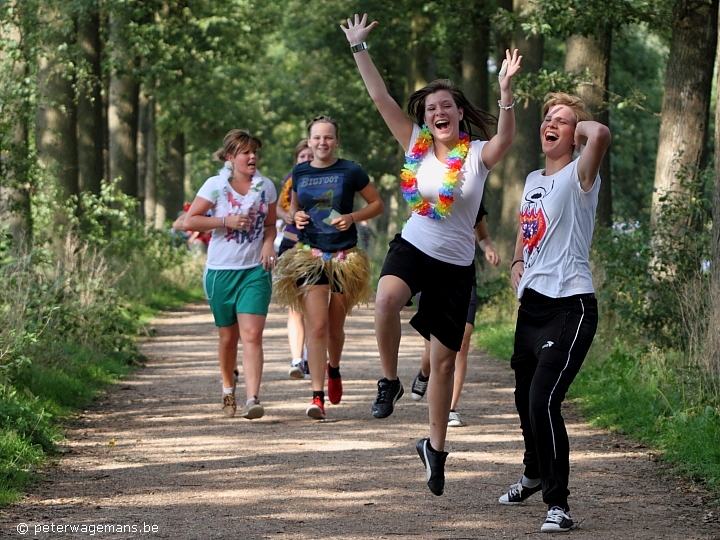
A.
pixel 506 107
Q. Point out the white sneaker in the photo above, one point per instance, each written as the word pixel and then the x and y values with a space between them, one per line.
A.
pixel 558 520
pixel 454 420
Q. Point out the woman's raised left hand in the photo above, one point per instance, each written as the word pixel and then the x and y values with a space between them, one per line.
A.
pixel 509 68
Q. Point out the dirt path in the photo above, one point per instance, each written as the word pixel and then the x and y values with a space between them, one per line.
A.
pixel 157 459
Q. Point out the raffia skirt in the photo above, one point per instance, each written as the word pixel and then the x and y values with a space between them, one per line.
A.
pixel 301 267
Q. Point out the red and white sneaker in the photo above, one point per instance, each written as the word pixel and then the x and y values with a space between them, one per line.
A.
pixel 316 410
pixel 335 388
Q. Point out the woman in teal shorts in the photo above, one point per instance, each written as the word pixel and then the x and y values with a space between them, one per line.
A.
pixel 240 256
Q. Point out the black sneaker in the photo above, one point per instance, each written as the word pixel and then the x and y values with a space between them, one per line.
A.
pixel 558 520
pixel 419 387
pixel 434 466
pixel 388 394
pixel 518 493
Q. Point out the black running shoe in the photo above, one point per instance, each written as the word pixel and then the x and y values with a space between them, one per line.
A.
pixel 518 493
pixel 558 520
pixel 388 394
pixel 434 466
pixel 419 387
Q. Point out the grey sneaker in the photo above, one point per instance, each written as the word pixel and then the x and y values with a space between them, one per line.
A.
pixel 300 370
pixel 253 410
pixel 454 420
pixel 419 387
pixel 518 493
pixel 558 520
pixel 228 404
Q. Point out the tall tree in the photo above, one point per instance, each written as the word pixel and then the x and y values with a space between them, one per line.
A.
pixel 55 129
pixel 173 187
pixel 147 156
pixel 524 155
pixel 89 102
pixel 593 53
pixel 686 101
pixel 122 103
pixel 16 90
pixel 712 345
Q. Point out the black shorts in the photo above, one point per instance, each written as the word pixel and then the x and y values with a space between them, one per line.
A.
pixel 286 244
pixel 472 307
pixel 445 288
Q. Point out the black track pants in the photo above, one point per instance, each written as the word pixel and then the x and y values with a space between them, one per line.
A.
pixel 552 338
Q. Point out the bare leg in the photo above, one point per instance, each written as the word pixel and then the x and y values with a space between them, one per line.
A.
pixel 461 366
pixel 316 333
pixel 227 352
pixel 392 294
pixel 251 331
pixel 440 387
pixel 425 360
pixel 336 328
pixel 296 333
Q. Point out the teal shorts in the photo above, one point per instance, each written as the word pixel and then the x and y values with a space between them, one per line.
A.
pixel 230 292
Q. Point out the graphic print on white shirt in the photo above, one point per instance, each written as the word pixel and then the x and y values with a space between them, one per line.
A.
pixel 534 221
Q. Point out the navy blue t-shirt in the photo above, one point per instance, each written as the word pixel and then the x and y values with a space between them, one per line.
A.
pixel 319 192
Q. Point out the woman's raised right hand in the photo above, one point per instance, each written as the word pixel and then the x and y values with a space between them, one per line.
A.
pixel 357 32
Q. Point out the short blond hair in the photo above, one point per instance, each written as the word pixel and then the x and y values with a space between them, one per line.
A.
pixel 575 103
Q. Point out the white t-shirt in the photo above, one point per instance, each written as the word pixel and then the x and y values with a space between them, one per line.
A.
pixel 557 219
pixel 451 239
pixel 237 250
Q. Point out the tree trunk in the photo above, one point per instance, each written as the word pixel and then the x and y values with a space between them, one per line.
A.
pixel 524 155
pixel 89 107
pixel 423 67
pixel 686 100
pixel 593 53
pixel 712 345
pixel 15 209
pixel 493 196
pixel 122 110
pixel 474 59
pixel 147 157
pixel 55 115
pixel 174 196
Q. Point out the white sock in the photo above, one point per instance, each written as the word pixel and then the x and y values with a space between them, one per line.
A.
pixel 227 390
pixel 251 400
pixel 528 482
pixel 296 361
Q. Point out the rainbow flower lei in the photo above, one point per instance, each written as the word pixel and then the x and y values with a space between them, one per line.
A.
pixel 408 179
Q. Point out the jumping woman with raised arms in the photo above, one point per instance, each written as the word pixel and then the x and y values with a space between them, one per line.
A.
pixel 443 182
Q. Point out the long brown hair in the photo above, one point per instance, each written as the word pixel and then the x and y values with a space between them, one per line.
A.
pixel 236 141
pixel 471 114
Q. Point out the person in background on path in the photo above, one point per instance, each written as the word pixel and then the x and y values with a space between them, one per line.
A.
pixel 237 278
pixel 195 239
pixel 420 383
pixel 326 275
pixel 435 252
pixel 558 315
pixel 295 325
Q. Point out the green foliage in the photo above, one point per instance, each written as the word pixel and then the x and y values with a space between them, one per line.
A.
pixel 646 276
pixel 652 396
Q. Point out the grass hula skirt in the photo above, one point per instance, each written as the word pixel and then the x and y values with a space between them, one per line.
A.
pixel 301 267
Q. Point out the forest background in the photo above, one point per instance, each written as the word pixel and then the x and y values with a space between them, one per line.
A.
pixel 110 111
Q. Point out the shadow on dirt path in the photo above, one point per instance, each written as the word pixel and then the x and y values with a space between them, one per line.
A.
pixel 156 458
